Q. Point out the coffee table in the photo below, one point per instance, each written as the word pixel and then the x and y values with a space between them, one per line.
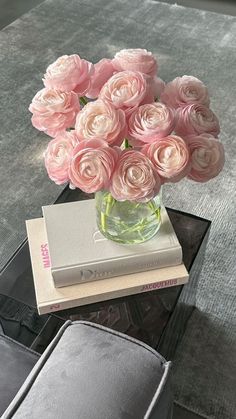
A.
pixel 158 317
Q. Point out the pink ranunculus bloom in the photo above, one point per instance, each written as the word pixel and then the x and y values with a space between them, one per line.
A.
pixel 134 178
pixel 170 157
pixel 207 157
pixel 127 90
pixel 92 165
pixel 184 91
pixel 136 60
pixel 157 86
pixel 58 155
pixel 196 119
pixel 69 73
pixel 101 119
pixel 150 122
pixel 54 111
pixel 103 70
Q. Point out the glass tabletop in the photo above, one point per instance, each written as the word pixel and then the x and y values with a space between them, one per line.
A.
pixel 144 316
pixel 16 277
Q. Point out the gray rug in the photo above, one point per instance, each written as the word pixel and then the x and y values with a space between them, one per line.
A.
pixel 187 41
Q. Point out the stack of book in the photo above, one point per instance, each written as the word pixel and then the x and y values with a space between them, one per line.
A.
pixel 74 264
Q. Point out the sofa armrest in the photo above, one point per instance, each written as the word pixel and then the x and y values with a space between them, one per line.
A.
pixel 16 362
pixel 91 372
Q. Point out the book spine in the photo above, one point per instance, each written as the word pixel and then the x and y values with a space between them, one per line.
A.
pixel 78 274
pixel 153 286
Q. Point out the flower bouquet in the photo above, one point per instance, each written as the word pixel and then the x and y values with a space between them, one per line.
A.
pixel 119 131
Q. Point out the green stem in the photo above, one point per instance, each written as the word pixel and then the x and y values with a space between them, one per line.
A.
pixel 109 201
pixel 103 221
pixel 155 210
pixel 126 143
pixel 83 100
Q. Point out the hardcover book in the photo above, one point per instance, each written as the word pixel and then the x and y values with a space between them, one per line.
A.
pixel 51 299
pixel 80 253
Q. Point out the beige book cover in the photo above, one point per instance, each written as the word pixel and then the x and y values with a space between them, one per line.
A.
pixel 51 299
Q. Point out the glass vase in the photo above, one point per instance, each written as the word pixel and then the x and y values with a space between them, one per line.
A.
pixel 125 221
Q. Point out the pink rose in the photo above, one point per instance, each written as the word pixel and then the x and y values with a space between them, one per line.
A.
pixel 207 157
pixel 101 119
pixel 68 73
pixel 92 165
pixel 170 157
pixel 135 60
pixel 134 178
pixel 184 91
pixel 150 122
pixel 196 119
pixel 103 71
pixel 58 155
pixel 54 111
pixel 126 90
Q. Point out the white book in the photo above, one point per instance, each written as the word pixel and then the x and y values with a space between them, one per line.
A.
pixel 51 299
pixel 80 253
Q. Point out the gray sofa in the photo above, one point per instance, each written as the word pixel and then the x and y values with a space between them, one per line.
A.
pixel 87 372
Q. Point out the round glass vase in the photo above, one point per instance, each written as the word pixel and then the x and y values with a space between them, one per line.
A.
pixel 125 221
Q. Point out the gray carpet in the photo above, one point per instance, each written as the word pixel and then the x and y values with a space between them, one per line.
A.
pixel 186 41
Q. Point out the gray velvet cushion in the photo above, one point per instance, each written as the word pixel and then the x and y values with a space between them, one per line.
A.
pixel 16 362
pixel 91 372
